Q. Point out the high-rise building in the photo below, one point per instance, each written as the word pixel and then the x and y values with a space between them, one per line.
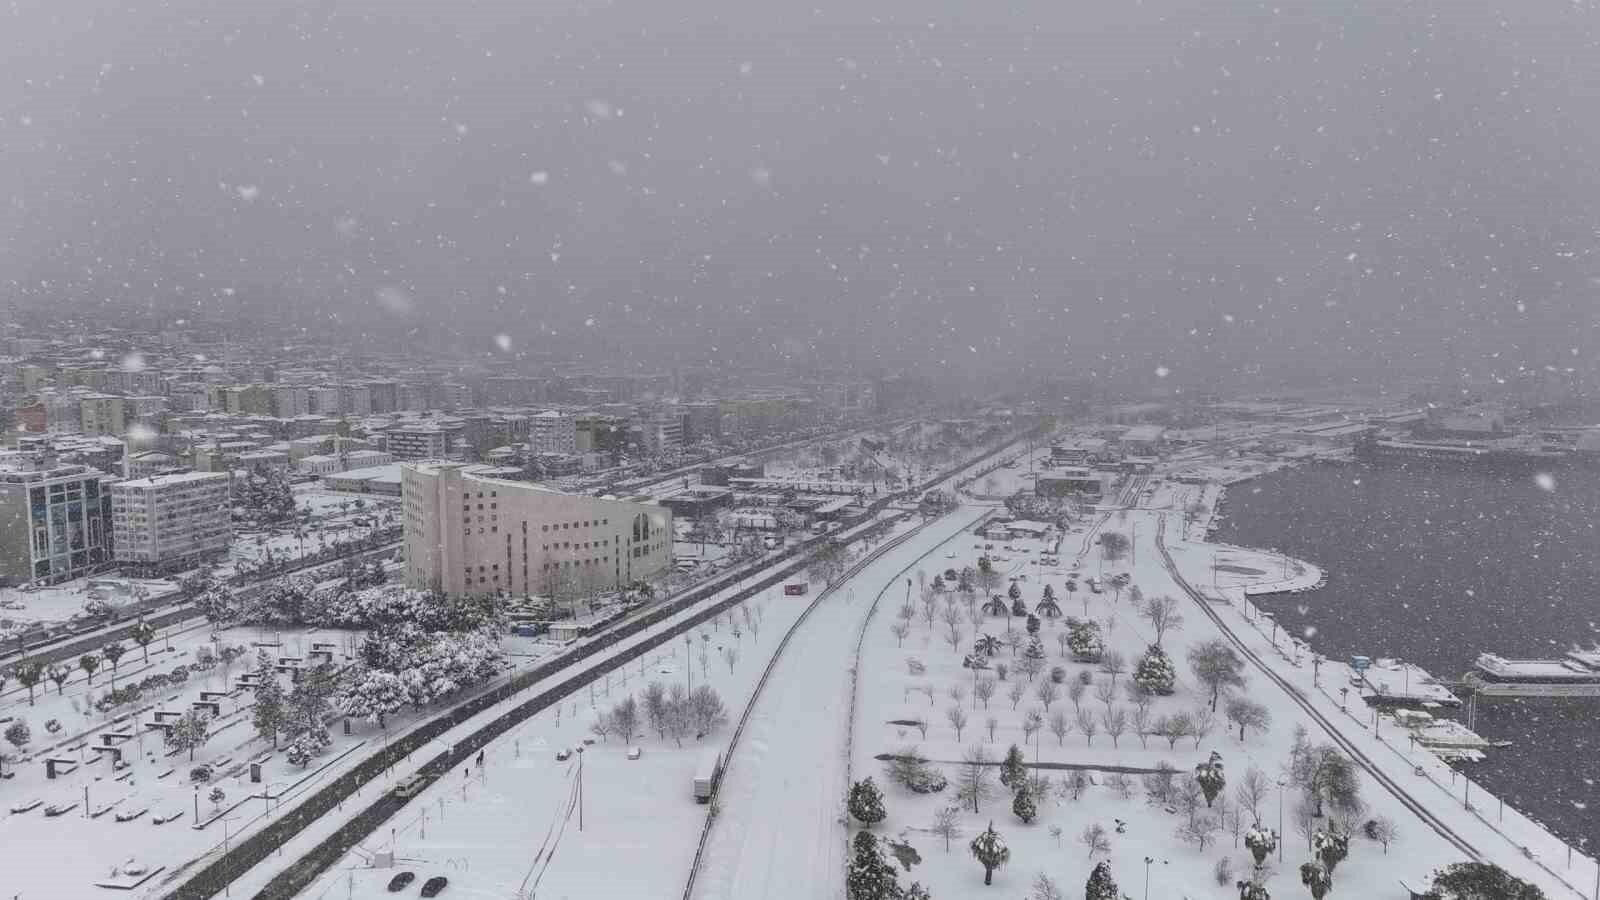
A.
pixel 290 400
pixel 55 522
pixel 102 414
pixel 385 395
pixel 703 421
pixel 418 442
pixel 470 534
pixel 553 431
pixel 325 401
pixel 166 523
pixel 356 400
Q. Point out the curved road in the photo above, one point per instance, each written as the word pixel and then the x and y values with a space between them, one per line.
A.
pixel 779 832
pixel 1349 747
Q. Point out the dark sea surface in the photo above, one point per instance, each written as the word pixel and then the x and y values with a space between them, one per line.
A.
pixel 1436 564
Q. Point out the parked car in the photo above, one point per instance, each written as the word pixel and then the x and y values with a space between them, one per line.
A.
pixel 563 755
pixel 635 752
pixel 401 881
pixel 434 885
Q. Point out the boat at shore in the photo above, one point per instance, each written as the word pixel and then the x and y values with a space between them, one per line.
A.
pixel 1575 675
pixel 1571 669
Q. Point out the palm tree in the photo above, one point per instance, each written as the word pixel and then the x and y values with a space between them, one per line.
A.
pixel 112 653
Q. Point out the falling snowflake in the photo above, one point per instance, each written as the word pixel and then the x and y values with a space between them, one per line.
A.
pixel 1162 371
pixel 1545 481
pixel 394 300
pixel 247 192
pixel 503 341
pixel 540 177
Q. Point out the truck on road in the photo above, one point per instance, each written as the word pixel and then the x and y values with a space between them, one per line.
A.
pixel 706 774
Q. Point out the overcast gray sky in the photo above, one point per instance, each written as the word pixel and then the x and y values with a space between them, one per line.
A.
pixel 1340 186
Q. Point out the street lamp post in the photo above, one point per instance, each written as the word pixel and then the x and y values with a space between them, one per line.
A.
pixel 1282 783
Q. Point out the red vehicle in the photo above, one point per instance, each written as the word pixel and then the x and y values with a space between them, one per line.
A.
pixel 796 589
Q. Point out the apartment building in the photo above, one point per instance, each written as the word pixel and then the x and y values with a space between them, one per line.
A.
pixel 167 523
pixel 55 522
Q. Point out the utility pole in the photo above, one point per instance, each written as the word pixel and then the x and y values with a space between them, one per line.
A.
pixel 580 791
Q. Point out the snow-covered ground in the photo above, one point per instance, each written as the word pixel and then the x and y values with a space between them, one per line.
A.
pixel 892 698
pixel 514 824
pixel 48 605
pixel 779 821
pixel 85 847
pixel 336 882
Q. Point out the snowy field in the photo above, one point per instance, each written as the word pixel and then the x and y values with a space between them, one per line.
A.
pixel 89 841
pixel 20 609
pixel 513 824
pixel 894 702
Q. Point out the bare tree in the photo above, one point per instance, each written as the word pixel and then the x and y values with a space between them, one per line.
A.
pixel 1162 614
pixel 957 717
pixel 1113 663
pixel 1121 783
pixel 1032 723
pixel 1060 727
pixel 947 824
pixel 1174 728
pixel 1142 725
pixel 1095 838
pixel 975 780
pixel 927 690
pixel 1088 726
pixel 1116 721
pixel 958 692
pixel 983 689
pixel 951 615
pixel 1106 693
pixel 1251 792
pixel 1047 692
pixel 1075 692
pixel 1200 831
pixel 1015 693
pixel 953 637
pixel 1200 724
pixel 990 724
pixel 900 628
pixel 1384 831
pixel 921 723
pixel 1045 888
pixel 601 726
pixel 1247 713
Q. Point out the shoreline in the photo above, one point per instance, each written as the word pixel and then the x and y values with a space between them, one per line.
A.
pixel 1527 835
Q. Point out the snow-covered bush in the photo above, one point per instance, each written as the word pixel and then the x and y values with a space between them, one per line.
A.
pixel 866 802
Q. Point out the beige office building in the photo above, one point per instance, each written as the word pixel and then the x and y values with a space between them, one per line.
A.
pixel 471 534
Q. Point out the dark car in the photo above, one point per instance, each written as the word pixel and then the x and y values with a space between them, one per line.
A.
pixel 401 881
pixel 434 885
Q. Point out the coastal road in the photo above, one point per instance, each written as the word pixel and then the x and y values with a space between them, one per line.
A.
pixel 779 833
pixel 1349 747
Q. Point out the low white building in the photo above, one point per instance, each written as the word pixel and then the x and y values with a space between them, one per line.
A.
pixel 170 522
